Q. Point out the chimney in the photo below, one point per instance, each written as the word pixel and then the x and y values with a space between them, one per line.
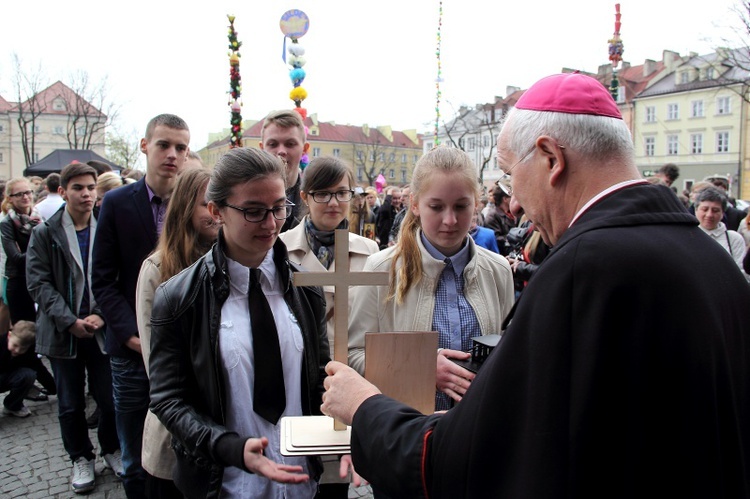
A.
pixel 510 90
pixel 649 66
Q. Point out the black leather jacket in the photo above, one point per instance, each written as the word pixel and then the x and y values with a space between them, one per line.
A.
pixel 187 388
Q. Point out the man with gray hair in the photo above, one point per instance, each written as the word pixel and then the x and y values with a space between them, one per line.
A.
pixel 624 369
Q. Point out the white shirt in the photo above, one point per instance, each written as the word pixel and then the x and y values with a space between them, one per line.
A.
pixel 49 205
pixel 236 350
pixel 606 192
pixel 731 241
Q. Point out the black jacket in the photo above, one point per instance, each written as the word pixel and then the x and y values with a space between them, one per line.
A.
pixel 187 388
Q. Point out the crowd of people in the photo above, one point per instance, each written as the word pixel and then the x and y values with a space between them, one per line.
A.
pixel 624 357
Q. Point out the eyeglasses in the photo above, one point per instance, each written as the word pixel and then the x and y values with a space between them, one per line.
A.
pixel 325 196
pixel 21 194
pixel 257 215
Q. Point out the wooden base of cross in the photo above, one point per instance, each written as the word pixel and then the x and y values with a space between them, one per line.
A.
pixel 341 278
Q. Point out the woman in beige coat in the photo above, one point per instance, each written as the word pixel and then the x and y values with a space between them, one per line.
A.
pixel 189 231
pixel 327 190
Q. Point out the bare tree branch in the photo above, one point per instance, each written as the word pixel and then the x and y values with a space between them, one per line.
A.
pixel 28 86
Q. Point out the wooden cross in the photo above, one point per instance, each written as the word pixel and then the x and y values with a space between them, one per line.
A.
pixel 341 278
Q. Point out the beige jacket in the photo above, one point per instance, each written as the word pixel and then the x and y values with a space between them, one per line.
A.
pixel 157 456
pixel 299 252
pixel 488 287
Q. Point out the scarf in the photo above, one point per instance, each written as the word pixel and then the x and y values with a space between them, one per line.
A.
pixel 321 242
pixel 24 223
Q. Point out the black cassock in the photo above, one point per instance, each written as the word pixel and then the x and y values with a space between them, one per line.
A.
pixel 624 373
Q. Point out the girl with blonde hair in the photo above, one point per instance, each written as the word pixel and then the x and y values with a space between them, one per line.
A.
pixel 439 279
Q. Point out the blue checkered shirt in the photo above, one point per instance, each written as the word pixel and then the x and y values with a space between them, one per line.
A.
pixel 453 317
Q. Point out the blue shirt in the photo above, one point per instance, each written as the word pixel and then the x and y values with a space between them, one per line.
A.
pixel 453 317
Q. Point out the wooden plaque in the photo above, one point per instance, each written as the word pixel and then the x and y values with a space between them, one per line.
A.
pixel 402 365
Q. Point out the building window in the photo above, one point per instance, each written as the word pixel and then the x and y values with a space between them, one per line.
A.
pixel 416 157
pixel 58 130
pixel 360 174
pixel 1 158
pixel 472 143
pixel 696 109
pixel 403 176
pixel 672 145
pixel 1 129
pixel 392 157
pixel 360 155
pixel 428 147
pixel 486 141
pixel 650 114
pixel 316 152
pixel 391 173
pixel 36 157
pixel 696 143
pixel 722 141
pixel 495 166
pixel 710 73
pixel 684 77
pixel 372 156
pixel 462 144
pixel 723 105
pixel 403 156
pixel 649 145
pixel 673 111
pixel 58 105
pixel 336 152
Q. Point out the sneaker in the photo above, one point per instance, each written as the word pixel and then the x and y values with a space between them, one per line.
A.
pixel 83 479
pixel 114 462
pixel 36 394
pixel 23 412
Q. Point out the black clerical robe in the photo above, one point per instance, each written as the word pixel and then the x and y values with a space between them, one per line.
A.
pixel 624 373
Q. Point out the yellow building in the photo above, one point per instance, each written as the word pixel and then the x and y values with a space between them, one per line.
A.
pixel 370 151
pixel 696 118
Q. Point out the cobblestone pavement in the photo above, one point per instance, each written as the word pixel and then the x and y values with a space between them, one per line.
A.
pixel 33 462
pixel 34 465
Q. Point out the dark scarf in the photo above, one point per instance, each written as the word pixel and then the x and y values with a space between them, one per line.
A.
pixel 321 242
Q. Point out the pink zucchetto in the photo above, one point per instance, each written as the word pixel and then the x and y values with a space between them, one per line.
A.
pixel 571 93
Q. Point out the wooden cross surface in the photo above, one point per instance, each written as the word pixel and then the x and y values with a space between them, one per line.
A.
pixel 341 278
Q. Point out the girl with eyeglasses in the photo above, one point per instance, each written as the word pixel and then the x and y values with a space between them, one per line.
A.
pixel 16 231
pixel 235 347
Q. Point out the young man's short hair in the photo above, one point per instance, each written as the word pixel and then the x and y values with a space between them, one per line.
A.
pixel 168 120
pixel 24 332
pixel 283 119
pixel 74 170
pixel 53 182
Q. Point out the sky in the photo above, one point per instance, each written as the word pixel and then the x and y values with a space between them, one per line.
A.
pixel 367 62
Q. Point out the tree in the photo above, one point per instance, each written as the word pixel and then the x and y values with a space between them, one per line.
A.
pixel 374 155
pixel 123 149
pixel 28 86
pixel 475 131
pixel 90 111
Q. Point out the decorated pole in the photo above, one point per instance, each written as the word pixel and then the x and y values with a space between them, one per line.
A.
pixel 235 86
pixel 439 77
pixel 616 49
pixel 294 24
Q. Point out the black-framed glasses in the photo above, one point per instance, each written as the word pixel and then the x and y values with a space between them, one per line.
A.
pixel 21 194
pixel 342 196
pixel 257 215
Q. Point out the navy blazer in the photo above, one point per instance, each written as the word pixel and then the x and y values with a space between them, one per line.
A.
pixel 125 236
